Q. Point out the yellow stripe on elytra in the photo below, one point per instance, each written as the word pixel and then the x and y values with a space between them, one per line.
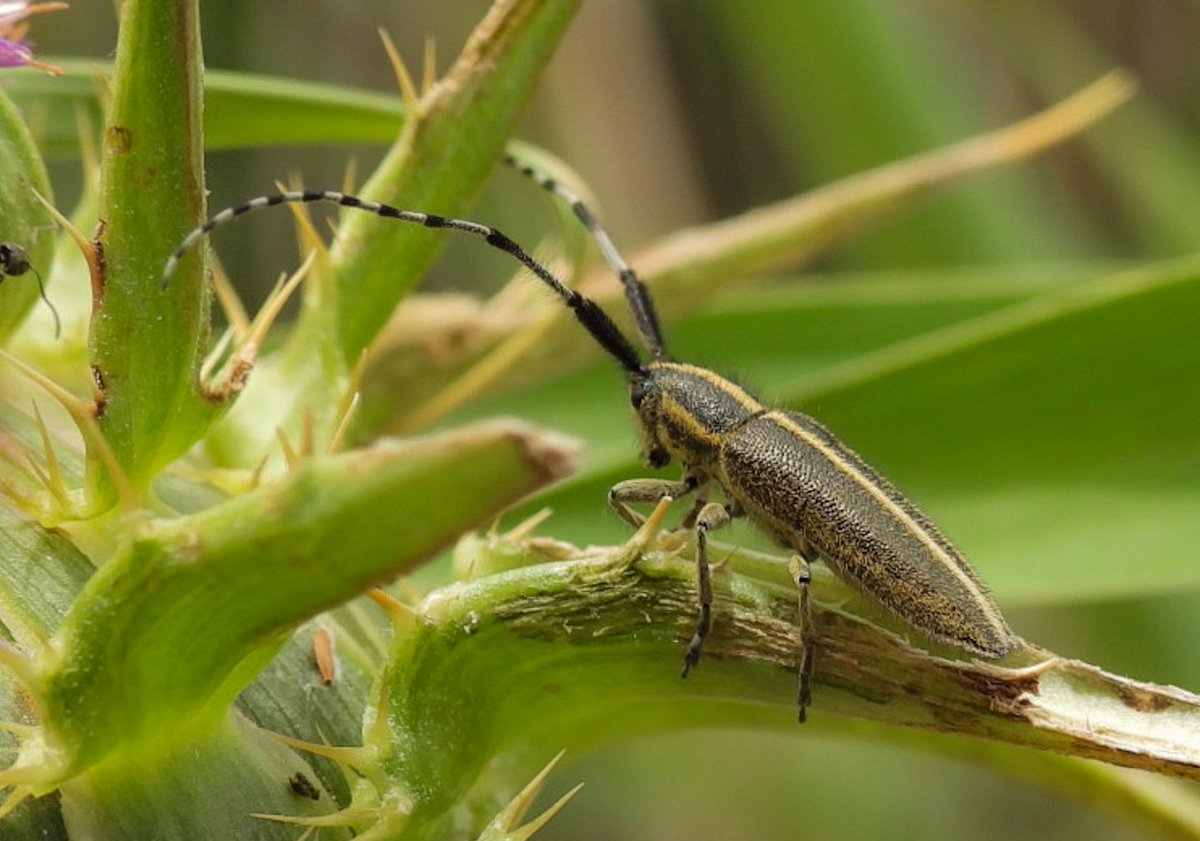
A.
pixel 913 526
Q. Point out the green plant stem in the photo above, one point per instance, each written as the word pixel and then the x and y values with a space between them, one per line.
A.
pixel 573 654
pixel 451 138
pixel 167 633
pixel 147 342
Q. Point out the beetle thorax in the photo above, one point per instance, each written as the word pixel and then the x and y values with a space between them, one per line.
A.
pixel 684 412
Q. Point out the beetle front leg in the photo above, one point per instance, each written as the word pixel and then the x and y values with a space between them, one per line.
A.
pixel 711 517
pixel 689 519
pixel 634 491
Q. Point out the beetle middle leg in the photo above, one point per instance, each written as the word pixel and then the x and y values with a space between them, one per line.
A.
pixel 689 519
pixel 712 516
pixel 706 516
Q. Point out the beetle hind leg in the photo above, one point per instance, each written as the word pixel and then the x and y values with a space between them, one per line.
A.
pixel 798 567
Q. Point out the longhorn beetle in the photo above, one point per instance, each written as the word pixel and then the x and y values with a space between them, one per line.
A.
pixel 14 261
pixel 782 470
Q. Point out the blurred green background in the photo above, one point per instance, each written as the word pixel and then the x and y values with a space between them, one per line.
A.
pixel 681 112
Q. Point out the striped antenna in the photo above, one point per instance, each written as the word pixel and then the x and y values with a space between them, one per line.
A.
pixel 636 293
pixel 593 319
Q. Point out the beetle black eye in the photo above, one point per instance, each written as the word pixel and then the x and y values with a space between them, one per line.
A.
pixel 637 394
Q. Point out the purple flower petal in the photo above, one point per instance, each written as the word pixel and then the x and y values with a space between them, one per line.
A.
pixel 14 54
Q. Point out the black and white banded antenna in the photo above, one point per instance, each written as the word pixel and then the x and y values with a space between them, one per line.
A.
pixel 586 311
pixel 14 261
pixel 636 294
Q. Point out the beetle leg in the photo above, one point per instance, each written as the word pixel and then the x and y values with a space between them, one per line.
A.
pixel 689 519
pixel 798 566
pixel 622 494
pixel 712 517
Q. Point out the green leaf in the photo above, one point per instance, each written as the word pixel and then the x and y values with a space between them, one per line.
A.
pixel 41 573
pixel 292 698
pixel 1051 439
pixel 226 778
pixel 242 110
pixel 866 83
pixel 1147 158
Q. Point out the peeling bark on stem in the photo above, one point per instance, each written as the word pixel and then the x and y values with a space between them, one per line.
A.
pixel 867 665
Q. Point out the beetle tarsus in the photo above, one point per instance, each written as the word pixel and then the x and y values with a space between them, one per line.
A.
pixel 703 625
